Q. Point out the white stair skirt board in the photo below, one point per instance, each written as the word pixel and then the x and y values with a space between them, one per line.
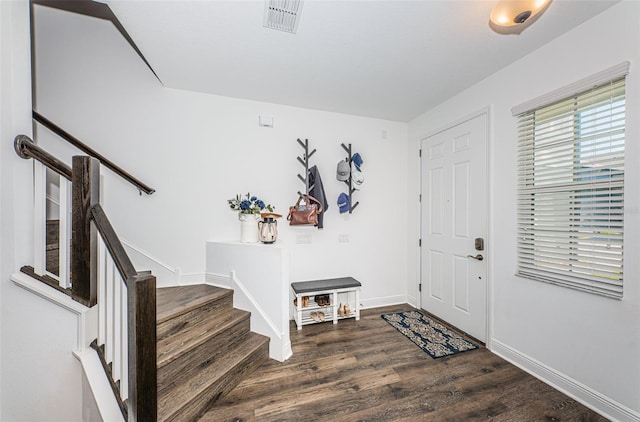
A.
pixel 280 344
pixel 260 288
pixel 572 388
pixel 166 275
pixel 98 401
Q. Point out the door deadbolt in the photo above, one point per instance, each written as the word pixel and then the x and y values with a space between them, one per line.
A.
pixel 479 244
pixel 477 257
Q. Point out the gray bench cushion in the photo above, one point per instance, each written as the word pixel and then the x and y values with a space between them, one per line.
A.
pixel 328 284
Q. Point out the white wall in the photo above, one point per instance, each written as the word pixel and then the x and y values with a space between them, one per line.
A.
pixel 43 378
pixel 15 104
pixel 15 115
pixel 200 150
pixel 39 378
pixel 585 344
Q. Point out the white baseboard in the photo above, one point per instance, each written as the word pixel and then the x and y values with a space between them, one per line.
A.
pixel 287 352
pixel 592 399
pixel 382 301
pixel 225 282
pixel 191 279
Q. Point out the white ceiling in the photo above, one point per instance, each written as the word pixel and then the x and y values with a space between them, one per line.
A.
pixel 387 59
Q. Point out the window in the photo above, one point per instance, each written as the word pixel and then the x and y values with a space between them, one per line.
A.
pixel 571 187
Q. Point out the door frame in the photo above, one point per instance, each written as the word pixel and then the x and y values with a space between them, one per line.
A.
pixel 487 111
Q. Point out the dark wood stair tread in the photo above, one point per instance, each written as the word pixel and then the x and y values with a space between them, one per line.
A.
pixel 175 301
pixel 176 344
pixel 211 379
pixel 205 348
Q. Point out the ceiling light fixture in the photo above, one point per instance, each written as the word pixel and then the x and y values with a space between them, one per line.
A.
pixel 283 15
pixel 514 13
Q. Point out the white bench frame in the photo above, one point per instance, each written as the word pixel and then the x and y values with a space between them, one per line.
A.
pixel 302 315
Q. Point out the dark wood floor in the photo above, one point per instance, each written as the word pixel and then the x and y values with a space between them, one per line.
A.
pixel 366 371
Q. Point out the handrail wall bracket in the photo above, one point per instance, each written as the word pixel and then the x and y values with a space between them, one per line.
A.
pixel 26 148
pixel 20 147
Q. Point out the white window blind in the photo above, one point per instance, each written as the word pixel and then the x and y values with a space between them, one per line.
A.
pixel 571 190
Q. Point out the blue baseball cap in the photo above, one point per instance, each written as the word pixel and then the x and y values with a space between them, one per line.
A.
pixel 343 202
pixel 357 160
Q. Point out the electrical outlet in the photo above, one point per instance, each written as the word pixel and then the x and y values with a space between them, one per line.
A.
pixel 303 239
pixel 343 238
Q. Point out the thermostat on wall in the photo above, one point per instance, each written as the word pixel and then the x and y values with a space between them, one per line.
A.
pixel 265 121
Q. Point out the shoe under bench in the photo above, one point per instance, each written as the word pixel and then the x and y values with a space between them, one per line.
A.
pixel 344 290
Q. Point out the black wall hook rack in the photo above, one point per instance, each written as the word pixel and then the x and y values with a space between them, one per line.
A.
pixel 349 181
pixel 305 163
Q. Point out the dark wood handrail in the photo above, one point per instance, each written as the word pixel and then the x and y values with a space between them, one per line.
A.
pixel 88 150
pixel 112 242
pixel 26 148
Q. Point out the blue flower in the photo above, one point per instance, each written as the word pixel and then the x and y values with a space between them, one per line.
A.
pixel 247 204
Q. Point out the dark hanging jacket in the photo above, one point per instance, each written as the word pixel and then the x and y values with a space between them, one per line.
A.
pixel 317 191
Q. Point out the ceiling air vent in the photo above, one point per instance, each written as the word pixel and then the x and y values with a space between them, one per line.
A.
pixel 282 15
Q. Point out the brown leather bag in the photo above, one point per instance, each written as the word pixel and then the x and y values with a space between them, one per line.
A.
pixel 307 214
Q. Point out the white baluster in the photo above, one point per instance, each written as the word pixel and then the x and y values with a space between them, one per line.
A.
pixel 110 279
pixel 102 292
pixel 117 315
pixel 64 235
pixel 40 218
pixel 124 349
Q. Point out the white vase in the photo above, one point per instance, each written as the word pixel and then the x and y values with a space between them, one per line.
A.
pixel 248 227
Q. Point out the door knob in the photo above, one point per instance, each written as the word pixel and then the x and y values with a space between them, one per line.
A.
pixel 478 257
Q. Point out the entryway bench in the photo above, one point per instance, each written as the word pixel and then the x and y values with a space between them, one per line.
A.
pixel 344 290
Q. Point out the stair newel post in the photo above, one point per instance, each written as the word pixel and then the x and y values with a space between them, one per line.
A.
pixel 143 378
pixel 85 180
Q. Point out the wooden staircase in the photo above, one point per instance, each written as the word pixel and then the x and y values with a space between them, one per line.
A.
pixel 205 348
pixel 174 351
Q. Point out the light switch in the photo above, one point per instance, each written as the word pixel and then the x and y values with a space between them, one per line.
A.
pixel 303 239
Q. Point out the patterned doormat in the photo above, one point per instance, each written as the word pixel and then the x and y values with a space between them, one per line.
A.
pixel 431 336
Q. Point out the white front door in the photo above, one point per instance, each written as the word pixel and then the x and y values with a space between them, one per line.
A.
pixel 454 215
